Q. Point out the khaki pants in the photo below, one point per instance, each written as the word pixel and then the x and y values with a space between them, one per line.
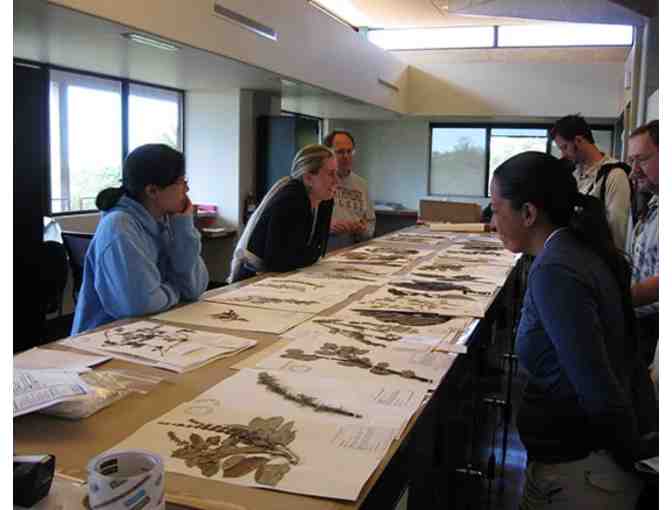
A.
pixel 595 483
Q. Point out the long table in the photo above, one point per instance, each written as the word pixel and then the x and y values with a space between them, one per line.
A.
pixel 437 440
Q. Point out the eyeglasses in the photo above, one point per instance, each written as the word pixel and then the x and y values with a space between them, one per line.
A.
pixel 180 182
pixel 640 160
pixel 344 152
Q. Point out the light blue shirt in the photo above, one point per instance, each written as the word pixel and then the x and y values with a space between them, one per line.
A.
pixel 137 265
pixel 642 247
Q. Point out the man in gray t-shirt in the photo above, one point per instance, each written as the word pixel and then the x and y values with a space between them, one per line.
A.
pixel 353 219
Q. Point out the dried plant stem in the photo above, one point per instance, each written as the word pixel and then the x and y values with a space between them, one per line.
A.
pixel 273 385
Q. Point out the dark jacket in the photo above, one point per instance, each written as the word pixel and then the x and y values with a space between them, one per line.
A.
pixel 582 368
pixel 281 237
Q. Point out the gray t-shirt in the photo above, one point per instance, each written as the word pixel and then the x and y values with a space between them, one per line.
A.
pixel 352 203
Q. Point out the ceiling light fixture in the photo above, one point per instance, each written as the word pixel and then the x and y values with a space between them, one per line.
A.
pixel 332 15
pixel 245 22
pixel 458 5
pixel 150 41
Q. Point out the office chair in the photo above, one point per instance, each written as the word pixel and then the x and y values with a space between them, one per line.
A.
pixel 53 277
pixel 76 244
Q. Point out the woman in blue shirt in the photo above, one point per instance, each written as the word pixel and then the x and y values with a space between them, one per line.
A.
pixel 145 255
pixel 582 414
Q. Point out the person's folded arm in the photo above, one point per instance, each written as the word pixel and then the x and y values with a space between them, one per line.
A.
pixel 129 283
pixel 188 272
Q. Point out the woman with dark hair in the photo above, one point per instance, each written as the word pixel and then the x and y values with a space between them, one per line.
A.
pixel 587 401
pixel 290 228
pixel 145 255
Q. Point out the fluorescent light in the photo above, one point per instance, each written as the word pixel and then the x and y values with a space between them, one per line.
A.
pixel 150 41
pixel 332 15
pixel 245 22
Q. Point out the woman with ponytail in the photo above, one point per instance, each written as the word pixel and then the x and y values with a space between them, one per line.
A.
pixel 145 255
pixel 581 418
pixel 290 228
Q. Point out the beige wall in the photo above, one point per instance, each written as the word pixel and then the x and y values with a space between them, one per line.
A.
pixel 515 83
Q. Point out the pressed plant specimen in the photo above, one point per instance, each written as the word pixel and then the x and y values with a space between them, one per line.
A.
pixel 441 267
pixel 437 286
pixel 348 356
pixel 360 332
pixel 245 448
pixel 156 338
pixel 229 315
pixel 282 286
pixel 406 318
pixel 273 385
pixel 454 279
pixel 265 300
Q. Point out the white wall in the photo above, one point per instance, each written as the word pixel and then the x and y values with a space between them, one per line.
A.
pixel 652 107
pixel 311 47
pixel 212 149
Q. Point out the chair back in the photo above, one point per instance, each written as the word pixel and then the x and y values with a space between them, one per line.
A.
pixel 76 244
pixel 53 276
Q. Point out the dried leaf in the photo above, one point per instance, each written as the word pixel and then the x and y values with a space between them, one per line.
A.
pixel 209 468
pixel 244 466
pixel 271 474
pixel 231 461
pixel 284 435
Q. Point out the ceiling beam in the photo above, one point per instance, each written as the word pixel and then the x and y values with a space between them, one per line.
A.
pixel 648 8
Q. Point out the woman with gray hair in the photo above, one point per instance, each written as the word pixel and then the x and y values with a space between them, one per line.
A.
pixel 290 228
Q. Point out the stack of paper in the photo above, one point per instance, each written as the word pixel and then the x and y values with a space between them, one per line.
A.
pixel 160 345
pixel 37 358
pixel 37 389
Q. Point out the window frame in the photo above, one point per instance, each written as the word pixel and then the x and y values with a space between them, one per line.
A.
pixel 125 85
pixel 488 135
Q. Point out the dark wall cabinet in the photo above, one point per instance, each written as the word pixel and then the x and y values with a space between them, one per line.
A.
pixel 279 138
pixel 31 160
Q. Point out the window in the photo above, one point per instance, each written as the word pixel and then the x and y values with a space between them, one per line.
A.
pixel 433 38
pixel 85 121
pixel 464 157
pixel 564 34
pixel 458 161
pixel 88 138
pixel 153 116
pixel 541 34
pixel 507 142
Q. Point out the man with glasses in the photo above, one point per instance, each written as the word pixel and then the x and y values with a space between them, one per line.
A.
pixel 642 243
pixel 596 174
pixel 353 219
